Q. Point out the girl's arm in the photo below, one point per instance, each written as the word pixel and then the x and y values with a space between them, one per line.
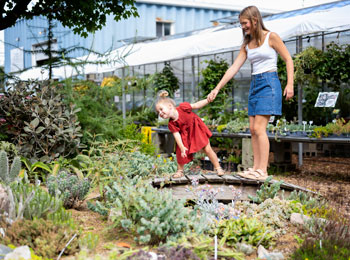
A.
pixel 179 142
pixel 280 47
pixel 230 73
pixel 199 104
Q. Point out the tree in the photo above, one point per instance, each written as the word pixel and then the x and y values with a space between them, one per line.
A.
pixel 82 16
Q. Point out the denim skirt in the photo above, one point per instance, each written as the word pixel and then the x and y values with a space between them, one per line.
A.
pixel 265 95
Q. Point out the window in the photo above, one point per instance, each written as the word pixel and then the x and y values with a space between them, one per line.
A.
pixel 164 28
pixel 40 52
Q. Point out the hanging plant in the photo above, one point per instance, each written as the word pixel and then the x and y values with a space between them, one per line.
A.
pixel 212 75
pixel 166 80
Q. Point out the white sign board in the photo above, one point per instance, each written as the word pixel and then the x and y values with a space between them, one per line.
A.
pixel 326 99
pixel 17 59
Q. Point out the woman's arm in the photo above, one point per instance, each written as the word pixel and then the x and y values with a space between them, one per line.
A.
pixel 230 73
pixel 179 142
pixel 276 42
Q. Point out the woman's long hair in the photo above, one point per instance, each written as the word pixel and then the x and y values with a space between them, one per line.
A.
pixel 253 15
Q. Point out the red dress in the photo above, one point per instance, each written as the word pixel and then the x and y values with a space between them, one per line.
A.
pixel 194 133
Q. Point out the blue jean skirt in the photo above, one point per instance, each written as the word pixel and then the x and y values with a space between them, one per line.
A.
pixel 265 95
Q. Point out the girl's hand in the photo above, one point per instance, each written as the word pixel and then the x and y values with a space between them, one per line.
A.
pixel 288 92
pixel 183 152
pixel 212 95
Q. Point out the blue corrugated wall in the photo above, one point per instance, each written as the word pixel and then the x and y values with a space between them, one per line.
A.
pixel 27 32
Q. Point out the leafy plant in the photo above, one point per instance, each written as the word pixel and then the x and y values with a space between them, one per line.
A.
pixel 166 80
pixel 244 230
pixel 212 75
pixel 266 191
pixel 39 124
pixel 68 187
pixel 46 238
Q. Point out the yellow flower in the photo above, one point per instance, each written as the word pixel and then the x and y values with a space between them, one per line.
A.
pixel 164 160
pixel 170 158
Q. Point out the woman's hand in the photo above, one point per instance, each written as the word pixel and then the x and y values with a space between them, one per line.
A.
pixel 288 91
pixel 183 152
pixel 212 95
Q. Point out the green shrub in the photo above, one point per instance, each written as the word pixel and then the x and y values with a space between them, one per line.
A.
pixel 153 216
pixel 39 123
pixel 244 230
pixel 266 191
pixel 68 187
pixel 43 236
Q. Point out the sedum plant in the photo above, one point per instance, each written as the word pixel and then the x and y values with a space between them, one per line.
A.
pixel 153 216
pixel 266 191
pixel 69 187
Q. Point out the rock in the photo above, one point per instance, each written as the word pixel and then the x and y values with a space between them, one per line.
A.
pixel 262 252
pixel 297 218
pixel 19 253
pixel 4 250
pixel 245 248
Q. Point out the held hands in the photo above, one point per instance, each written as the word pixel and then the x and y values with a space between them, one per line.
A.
pixel 212 95
pixel 183 152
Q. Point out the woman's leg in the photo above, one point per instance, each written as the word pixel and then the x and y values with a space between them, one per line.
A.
pixel 254 139
pixel 260 141
pixel 180 171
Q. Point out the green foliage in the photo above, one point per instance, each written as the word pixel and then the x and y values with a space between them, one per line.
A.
pixel 88 241
pixel 274 213
pixel 39 124
pixel 244 230
pixel 98 113
pixel 7 174
pixel 35 169
pixel 91 17
pixel 203 246
pixel 9 148
pixel 237 125
pixel 266 191
pixel 166 80
pixel 326 240
pixel 152 216
pixel 41 204
pixel 212 75
pixel 46 238
pixel 68 187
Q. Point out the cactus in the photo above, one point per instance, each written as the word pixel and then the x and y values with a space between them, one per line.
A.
pixel 8 175
pixel 69 187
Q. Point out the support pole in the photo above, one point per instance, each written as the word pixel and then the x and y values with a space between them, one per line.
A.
pixel 300 106
pixel 193 83
pixel 123 96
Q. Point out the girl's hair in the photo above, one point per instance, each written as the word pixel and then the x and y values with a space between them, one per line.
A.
pixel 163 98
pixel 253 15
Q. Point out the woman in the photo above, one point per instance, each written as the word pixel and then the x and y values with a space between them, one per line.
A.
pixel 260 47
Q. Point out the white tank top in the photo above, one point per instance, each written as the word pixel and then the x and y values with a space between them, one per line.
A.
pixel 263 58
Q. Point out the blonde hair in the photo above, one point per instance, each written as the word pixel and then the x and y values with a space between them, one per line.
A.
pixel 163 98
pixel 253 15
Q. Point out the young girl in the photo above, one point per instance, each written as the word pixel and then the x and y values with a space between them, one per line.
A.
pixel 260 47
pixel 190 133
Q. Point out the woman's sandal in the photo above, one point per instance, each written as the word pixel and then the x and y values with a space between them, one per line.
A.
pixel 254 175
pixel 178 174
pixel 219 171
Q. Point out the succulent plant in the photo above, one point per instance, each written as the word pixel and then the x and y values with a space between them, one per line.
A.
pixel 69 187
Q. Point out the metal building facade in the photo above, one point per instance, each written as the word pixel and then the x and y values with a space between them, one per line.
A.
pixel 19 39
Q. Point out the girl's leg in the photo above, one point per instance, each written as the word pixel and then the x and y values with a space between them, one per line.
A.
pixel 260 142
pixel 180 171
pixel 214 159
pixel 212 155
